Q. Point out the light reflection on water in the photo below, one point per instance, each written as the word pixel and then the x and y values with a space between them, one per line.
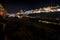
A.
pixel 39 30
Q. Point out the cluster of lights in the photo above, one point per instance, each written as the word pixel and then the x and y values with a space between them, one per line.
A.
pixel 11 15
pixel 45 9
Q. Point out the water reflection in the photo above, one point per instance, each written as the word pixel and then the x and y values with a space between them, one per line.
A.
pixel 29 29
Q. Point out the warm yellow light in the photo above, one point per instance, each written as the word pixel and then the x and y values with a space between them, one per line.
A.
pixel 47 8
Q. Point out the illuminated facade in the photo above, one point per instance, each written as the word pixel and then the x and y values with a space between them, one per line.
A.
pixel 2 11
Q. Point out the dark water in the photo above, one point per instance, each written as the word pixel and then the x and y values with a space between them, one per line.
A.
pixel 30 29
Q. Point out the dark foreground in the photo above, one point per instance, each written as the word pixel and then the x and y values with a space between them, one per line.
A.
pixel 29 29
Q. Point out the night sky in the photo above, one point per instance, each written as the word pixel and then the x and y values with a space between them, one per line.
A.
pixel 13 6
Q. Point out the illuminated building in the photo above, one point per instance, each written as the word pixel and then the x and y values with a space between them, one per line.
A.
pixel 58 8
pixel 2 11
pixel 21 12
pixel 32 11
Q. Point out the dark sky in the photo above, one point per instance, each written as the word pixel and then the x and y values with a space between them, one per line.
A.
pixel 13 6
